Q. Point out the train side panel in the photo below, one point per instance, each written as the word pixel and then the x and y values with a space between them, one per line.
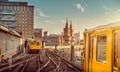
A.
pixel 102 50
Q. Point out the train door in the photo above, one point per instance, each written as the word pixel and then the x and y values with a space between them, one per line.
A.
pixel 115 50
pixel 0 43
pixel 102 51
pixel 119 55
pixel 118 59
pixel 90 55
pixel 86 52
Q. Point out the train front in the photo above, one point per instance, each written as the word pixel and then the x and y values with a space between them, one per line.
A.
pixel 35 46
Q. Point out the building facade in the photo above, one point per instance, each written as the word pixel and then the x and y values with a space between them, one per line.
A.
pixel 68 33
pixel 18 16
pixel 46 33
pixel 53 40
pixel 38 33
pixel 10 42
pixel 77 38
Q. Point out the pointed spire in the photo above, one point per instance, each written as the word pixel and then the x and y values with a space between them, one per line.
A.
pixel 70 24
pixel 66 23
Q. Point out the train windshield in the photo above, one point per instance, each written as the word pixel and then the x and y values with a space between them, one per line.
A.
pixel 35 43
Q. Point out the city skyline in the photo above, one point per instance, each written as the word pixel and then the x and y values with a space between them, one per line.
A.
pixel 51 14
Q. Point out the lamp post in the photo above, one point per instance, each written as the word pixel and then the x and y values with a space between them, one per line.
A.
pixel 43 48
pixel 56 48
pixel 72 50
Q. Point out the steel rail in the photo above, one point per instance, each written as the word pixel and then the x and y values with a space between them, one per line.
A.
pixel 27 62
pixel 57 66
pixel 45 65
pixel 16 64
pixel 13 60
pixel 67 63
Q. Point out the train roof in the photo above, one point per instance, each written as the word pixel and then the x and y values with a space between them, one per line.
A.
pixel 110 25
pixel 31 39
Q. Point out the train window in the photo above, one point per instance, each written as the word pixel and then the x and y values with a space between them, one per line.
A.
pixel 33 43
pixel 115 49
pixel 38 43
pixel 101 48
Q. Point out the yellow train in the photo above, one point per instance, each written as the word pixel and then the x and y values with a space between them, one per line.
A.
pixel 101 52
pixel 34 45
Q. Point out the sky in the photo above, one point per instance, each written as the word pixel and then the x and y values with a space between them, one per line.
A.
pixel 51 15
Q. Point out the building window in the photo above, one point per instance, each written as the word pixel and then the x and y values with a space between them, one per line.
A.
pixel 101 48
pixel 21 8
pixel 15 8
pixel 7 7
pixel 0 17
pixel 24 8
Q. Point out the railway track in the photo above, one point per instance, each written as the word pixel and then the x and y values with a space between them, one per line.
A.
pixel 63 65
pixel 57 64
pixel 19 57
pixel 31 65
pixel 40 63
pixel 56 61
pixel 23 65
pixel 14 61
pixel 44 65
pixel 48 66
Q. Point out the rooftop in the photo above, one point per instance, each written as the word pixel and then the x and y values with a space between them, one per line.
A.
pixel 12 3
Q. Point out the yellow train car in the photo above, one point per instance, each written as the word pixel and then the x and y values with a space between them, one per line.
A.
pixel 101 51
pixel 34 45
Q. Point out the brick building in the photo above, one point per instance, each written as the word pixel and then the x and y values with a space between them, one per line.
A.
pixel 68 33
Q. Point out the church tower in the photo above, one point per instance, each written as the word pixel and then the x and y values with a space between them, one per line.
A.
pixel 68 33
pixel 66 26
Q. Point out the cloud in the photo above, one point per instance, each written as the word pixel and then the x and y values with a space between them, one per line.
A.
pixel 118 10
pixel 107 13
pixel 107 10
pixel 41 13
pixel 49 22
pixel 62 21
pixel 80 7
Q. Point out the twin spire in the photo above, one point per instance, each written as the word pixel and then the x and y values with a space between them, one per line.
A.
pixel 66 26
